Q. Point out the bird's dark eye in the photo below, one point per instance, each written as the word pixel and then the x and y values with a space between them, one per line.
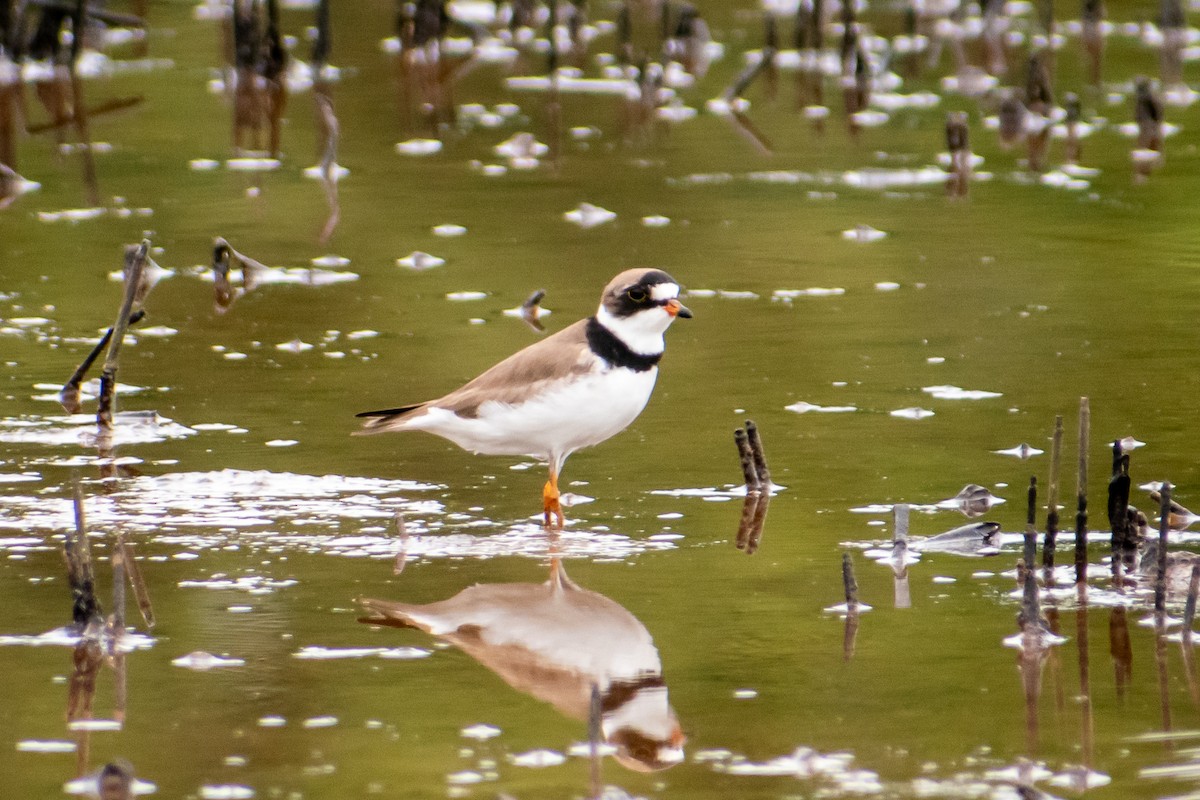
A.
pixel 637 295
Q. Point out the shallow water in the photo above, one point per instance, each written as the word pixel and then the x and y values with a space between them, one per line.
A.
pixel 258 520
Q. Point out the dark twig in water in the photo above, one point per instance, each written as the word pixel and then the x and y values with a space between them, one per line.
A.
pixel 225 261
pixel 747 458
pixel 1031 522
pixel 748 75
pixel 85 607
pixel 851 588
pixel 760 459
pixel 108 376
pixel 68 396
pixel 1160 580
pixel 849 583
pixel 531 310
pixel 1030 608
pixel 1118 514
pixel 1051 539
pixel 1081 514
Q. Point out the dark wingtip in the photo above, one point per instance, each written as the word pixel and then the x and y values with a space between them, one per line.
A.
pixel 389 412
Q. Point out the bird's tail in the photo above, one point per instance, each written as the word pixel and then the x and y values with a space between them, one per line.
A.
pixel 391 613
pixel 385 420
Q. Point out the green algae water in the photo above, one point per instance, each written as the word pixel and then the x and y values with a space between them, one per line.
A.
pixel 880 370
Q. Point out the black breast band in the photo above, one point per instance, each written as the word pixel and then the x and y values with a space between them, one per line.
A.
pixel 607 346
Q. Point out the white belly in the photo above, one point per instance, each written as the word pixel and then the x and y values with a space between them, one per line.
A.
pixel 553 424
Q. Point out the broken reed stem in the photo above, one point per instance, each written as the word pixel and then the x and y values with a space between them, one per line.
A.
pixel 1189 609
pixel 747 456
pixel 1051 539
pixel 748 76
pixel 108 378
pixel 1160 581
pixel 849 583
pixel 68 396
pixel 1081 515
pixel 1031 612
pixel 760 459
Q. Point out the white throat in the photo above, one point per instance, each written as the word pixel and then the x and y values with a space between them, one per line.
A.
pixel 641 332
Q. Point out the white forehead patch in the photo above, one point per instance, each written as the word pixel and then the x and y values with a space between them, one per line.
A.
pixel 664 291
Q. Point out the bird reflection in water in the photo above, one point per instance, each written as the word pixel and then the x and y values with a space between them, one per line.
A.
pixel 556 641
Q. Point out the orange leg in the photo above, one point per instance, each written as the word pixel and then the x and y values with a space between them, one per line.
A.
pixel 550 504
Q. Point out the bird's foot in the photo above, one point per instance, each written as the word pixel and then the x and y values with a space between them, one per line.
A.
pixel 551 507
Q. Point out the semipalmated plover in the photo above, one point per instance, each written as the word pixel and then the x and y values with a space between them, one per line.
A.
pixel 566 392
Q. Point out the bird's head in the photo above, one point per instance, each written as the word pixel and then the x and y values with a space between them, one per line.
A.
pixel 638 306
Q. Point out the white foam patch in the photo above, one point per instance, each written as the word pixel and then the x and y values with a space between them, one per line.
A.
pixel 201 661
pixel 317 653
pixel 226 792
pixel 911 413
pixel 958 393
pixel 537 759
pixel 586 215
pixel 803 407
pixel 45 746
pixel 480 731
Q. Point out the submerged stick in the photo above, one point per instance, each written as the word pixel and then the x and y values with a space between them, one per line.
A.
pixel 1051 539
pixel 760 460
pixel 108 377
pixel 747 458
pixel 1160 581
pixel 1081 493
